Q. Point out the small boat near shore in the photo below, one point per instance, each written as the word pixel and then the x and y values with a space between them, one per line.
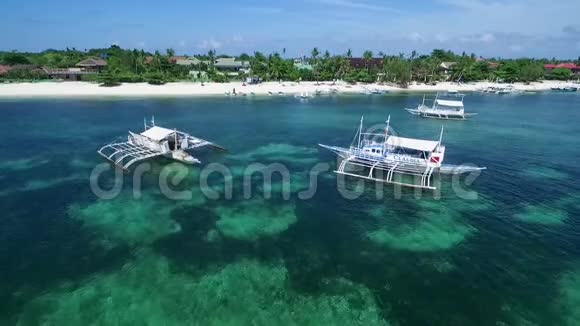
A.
pixel 448 106
pixel 396 156
pixel 154 141
pixel 500 90
pixel 565 89
pixel 302 95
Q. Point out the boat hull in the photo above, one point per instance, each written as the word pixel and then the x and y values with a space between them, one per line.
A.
pixel 440 115
pixel 383 163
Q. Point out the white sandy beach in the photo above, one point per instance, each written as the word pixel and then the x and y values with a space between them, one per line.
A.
pixel 85 89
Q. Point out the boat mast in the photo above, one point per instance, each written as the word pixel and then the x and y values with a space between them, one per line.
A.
pixel 175 133
pixel 360 129
pixel 144 124
pixel 441 136
pixel 387 124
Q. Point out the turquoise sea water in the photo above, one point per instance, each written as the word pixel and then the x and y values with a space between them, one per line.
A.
pixel 508 257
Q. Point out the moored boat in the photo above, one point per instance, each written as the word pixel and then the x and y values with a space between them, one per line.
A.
pixel 154 141
pixel 397 156
pixel 447 106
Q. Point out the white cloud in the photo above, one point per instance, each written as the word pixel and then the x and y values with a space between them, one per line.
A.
pixel 487 37
pixel 182 43
pixel 210 44
pixel 415 37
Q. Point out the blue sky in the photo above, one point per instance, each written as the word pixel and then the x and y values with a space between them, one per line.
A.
pixel 507 28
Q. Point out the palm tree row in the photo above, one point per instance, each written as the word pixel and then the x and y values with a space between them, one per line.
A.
pixel 138 65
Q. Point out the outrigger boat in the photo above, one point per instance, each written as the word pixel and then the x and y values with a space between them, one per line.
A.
pixel 302 95
pixel 565 89
pixel 397 156
pixel 444 106
pixel 152 142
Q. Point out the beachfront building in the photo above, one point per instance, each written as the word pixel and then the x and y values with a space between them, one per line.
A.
pixel 4 70
pixel 572 66
pixel 23 71
pixel 445 68
pixel 94 65
pixel 90 66
pixel 362 63
pixel 185 61
pixel 492 65
pixel 232 66
pixel 300 64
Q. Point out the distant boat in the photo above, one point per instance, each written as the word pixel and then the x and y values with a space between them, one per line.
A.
pixel 302 95
pixel 445 106
pixel 499 90
pixel 565 89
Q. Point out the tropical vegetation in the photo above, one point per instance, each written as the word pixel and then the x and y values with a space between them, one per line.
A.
pixel 130 66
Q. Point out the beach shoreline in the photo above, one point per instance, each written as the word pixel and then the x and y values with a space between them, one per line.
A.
pixel 195 89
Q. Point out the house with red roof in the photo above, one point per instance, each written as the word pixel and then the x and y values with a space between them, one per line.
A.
pixel 4 69
pixel 572 66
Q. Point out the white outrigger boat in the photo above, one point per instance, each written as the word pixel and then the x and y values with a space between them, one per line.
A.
pixel 397 156
pixel 152 142
pixel 500 90
pixel 444 106
pixel 302 95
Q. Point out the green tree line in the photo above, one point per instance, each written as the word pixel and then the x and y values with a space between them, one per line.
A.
pixel 125 65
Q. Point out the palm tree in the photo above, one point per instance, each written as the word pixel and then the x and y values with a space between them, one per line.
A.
pixel 367 56
pixel 157 60
pixel 314 55
pixel 275 66
pixel 211 65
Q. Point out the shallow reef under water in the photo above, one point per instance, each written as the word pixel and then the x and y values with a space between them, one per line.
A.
pixel 437 225
pixel 147 291
pixel 125 220
pixel 569 300
pixel 253 219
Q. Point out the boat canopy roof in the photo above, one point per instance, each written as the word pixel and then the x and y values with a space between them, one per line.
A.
pixel 410 143
pixel 455 104
pixel 157 133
